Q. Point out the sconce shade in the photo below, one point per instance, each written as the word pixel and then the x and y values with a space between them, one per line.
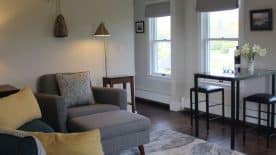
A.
pixel 60 30
pixel 101 31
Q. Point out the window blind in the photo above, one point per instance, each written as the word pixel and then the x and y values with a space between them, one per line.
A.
pixel 158 9
pixel 216 5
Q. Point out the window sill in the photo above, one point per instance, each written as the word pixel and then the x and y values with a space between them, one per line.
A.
pixel 160 77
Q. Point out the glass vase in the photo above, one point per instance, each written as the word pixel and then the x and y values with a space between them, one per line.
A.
pixel 251 66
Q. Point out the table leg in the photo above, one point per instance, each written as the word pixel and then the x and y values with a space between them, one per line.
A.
pixel 238 101
pixel 111 85
pixel 273 117
pixel 133 95
pixel 273 84
pixel 233 114
pixel 273 106
pixel 196 106
pixel 124 85
pixel 105 83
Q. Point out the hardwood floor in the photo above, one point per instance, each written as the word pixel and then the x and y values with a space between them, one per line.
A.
pixel 219 134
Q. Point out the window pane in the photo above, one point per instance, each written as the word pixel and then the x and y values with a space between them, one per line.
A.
pixel 163 28
pixel 224 24
pixel 162 56
pixel 222 56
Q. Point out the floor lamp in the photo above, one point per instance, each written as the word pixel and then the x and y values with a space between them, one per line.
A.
pixel 103 32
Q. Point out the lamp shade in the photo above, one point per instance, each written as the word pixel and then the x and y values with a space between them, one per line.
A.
pixel 101 31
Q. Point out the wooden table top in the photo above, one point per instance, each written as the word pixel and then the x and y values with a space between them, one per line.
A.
pixel 6 87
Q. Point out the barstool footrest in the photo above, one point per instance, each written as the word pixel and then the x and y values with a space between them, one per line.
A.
pixel 251 129
pixel 210 119
pixel 214 105
pixel 255 117
pixel 201 101
pixel 200 114
pixel 219 117
pixel 257 110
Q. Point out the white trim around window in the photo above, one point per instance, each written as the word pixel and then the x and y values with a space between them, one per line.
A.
pixel 205 42
pixel 153 55
pixel 206 39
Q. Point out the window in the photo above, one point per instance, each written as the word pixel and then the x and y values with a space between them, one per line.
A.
pixel 160 46
pixel 220 38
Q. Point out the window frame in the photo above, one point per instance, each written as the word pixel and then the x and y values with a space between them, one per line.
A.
pixel 152 42
pixel 205 37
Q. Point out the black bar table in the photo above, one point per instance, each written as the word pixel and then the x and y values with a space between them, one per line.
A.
pixel 234 79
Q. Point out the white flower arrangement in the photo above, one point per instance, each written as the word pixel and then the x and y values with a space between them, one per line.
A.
pixel 250 51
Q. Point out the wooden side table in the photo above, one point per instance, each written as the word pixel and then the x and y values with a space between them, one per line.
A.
pixel 6 90
pixel 122 80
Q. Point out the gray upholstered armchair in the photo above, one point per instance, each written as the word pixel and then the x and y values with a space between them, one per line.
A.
pixel 56 112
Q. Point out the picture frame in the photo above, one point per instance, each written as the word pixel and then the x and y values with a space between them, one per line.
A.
pixel 261 20
pixel 140 27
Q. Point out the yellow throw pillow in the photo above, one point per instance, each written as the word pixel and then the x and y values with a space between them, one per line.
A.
pixel 86 143
pixel 18 109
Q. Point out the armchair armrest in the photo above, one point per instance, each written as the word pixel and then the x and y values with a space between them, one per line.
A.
pixel 54 111
pixel 111 96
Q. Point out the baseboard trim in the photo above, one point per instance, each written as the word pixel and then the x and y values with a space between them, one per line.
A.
pixel 153 96
pixel 155 103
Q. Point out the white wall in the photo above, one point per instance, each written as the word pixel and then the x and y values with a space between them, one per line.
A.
pixel 185 50
pixel 28 48
pixel 147 87
pixel 186 53
pixel 187 57
pixel 264 38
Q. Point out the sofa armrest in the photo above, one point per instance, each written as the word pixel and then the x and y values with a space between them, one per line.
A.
pixel 54 111
pixel 111 96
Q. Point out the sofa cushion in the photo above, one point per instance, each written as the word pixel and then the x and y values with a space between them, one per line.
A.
pixel 18 109
pixel 90 109
pixel 14 142
pixel 111 124
pixel 85 143
pixel 76 88
pixel 36 126
pixel 17 146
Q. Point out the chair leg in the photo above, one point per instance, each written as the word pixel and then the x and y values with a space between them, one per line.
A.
pixel 223 107
pixel 244 121
pixel 142 150
pixel 268 126
pixel 259 119
pixel 273 117
pixel 207 112
pixel 191 107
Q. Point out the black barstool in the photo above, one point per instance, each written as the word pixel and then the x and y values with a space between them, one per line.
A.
pixel 261 99
pixel 207 89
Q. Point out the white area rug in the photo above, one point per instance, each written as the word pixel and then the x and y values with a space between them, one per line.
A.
pixel 168 142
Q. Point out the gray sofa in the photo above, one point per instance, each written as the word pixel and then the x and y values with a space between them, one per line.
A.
pixel 119 129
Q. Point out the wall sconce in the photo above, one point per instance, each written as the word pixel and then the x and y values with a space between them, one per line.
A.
pixel 60 29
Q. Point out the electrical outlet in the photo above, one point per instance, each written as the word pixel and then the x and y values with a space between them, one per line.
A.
pixel 183 102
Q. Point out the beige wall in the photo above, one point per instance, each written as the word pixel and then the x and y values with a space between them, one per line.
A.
pixel 28 48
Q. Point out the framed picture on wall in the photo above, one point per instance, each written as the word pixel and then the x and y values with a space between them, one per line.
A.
pixel 140 27
pixel 261 20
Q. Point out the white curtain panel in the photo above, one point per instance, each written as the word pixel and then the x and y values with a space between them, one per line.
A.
pixel 216 5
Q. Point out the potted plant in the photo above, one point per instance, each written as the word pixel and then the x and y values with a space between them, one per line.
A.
pixel 250 52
